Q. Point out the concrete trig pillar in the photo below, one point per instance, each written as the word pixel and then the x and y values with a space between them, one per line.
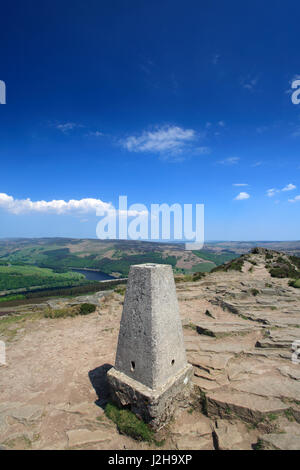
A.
pixel 151 373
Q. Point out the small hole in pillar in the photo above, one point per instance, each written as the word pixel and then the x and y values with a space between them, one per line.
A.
pixel 132 365
pixel 173 362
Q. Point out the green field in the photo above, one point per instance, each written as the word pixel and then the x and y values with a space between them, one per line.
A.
pixel 25 277
pixel 215 258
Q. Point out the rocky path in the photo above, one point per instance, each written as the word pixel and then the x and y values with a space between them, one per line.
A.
pixel 239 329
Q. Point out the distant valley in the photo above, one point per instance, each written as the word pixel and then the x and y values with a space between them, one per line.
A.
pixel 60 263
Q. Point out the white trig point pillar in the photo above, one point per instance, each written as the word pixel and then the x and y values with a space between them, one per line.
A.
pixel 151 374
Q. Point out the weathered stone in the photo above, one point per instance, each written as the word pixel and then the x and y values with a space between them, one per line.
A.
pixel 209 361
pixel 279 339
pixel 191 424
pixel 287 439
pixel 151 373
pixel 150 347
pixel 221 329
pixel 20 412
pixel 248 407
pixel 202 384
pixel 270 386
pixel 227 435
pixel 194 443
pixel 155 407
pixel 79 437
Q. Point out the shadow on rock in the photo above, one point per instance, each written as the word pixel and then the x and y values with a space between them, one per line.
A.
pixel 99 382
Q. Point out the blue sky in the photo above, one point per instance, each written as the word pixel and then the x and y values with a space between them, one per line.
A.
pixel 165 101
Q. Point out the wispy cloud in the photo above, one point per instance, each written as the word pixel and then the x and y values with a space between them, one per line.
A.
pixel 249 82
pixel 66 126
pixel 272 192
pixel 95 134
pixel 295 199
pixel 257 164
pixel 240 184
pixel 241 196
pixel 229 161
pixel 289 187
pixel 215 128
pixel 167 141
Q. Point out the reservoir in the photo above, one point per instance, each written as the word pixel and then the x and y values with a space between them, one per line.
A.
pixel 94 275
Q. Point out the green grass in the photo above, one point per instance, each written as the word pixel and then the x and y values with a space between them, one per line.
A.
pixel 289 414
pixel 60 312
pixel 9 298
pixel 235 265
pixel 129 424
pixel 190 277
pixel 258 445
pixel 201 268
pixel 83 309
pixel 25 277
pixel 217 259
pixel 295 283
pixel 285 267
pixel 203 401
pixel 121 289
pixel 272 417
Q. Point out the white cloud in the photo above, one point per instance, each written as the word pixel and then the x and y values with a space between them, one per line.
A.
pixel 166 140
pixel 272 192
pixel 229 161
pixel 95 134
pixel 67 126
pixel 240 184
pixel 296 199
pixel 61 207
pixel 289 187
pixel 20 206
pixel 242 196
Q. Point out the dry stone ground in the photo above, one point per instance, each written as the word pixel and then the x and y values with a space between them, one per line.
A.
pixel 238 328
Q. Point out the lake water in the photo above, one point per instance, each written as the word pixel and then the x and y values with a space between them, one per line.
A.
pixel 93 275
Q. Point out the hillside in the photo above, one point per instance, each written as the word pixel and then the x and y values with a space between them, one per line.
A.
pixel 41 264
pixel 110 257
pixel 239 327
pixel 276 263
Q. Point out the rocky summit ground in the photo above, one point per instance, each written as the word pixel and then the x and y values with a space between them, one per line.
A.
pixel 239 328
